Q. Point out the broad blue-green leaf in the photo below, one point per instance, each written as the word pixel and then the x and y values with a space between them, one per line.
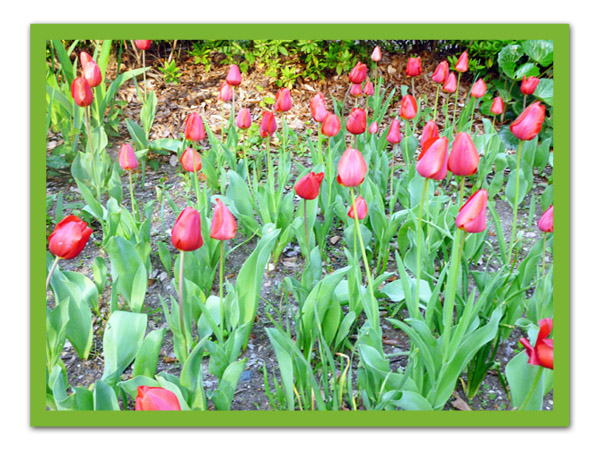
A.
pixel 508 57
pixel 127 266
pixel 545 91
pixel 147 357
pixel 521 377
pixel 541 51
pixel 56 331
pixel 105 398
pixel 223 396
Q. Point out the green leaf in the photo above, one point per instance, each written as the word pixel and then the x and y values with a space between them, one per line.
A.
pixel 223 396
pixel 545 91
pixel 127 266
pixel 541 51
pixel 412 401
pixel 521 377
pixel 148 112
pixel 528 69
pixel 165 256
pixel 115 187
pixel 147 356
pixel 56 331
pixel 137 135
pixel 508 57
pixel 105 398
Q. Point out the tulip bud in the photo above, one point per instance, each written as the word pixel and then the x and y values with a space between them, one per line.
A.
pixel 190 159
pixel 433 161
pixel 91 72
pixel 413 67
pixel 373 128
pixel 394 136
pixel 358 73
pixel 318 108
pixel 408 107
pixel 82 92
pixel 331 125
pixel 283 100
pixel 543 352
pixel 352 168
pixel 268 126
pixel 357 121
pixel 356 90
pixel 225 92
pixel 464 158
pixel 156 398
pixel 223 226
pixel 85 58
pixel 441 72
pixel 234 77
pixel 462 65
pixel 497 106
pixel 368 89
pixel 187 231
pixel 450 84
pixel 69 237
pixel 430 134
pixel 308 186
pixel 376 55
pixel 127 159
pixel 528 85
pixel 529 123
pixel 361 207
pixel 546 222
pixel 479 89
pixel 142 45
pixel 472 215
pixel 194 128
pixel 243 120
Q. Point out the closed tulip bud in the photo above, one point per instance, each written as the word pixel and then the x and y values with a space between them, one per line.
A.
pixel 268 126
pixel 358 73
pixel 243 120
pixel 308 186
pixel 394 136
pixel 450 84
pixel 187 231
pixel 413 67
pixel 91 72
pixel 376 55
pixel 356 90
pixel 69 237
pixel 85 58
pixel 472 215
pixel 430 134
pixel 223 226
pixel 82 92
pixel 373 128
pixel 408 107
pixel 543 352
pixel 433 161
pixel 546 222
pixel 462 65
pixel 352 168
pixel 529 123
pixel 361 207
pixel 464 158
pixel 528 85
pixel 441 72
pixel 142 45
pixel 283 100
pixel 191 160
pixel 357 121
pixel 479 89
pixel 234 77
pixel 194 128
pixel 368 89
pixel 225 92
pixel 318 108
pixel 331 125
pixel 497 106
pixel 156 398
pixel 127 159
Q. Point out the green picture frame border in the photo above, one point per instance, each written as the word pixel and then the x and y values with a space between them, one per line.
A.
pixel 558 417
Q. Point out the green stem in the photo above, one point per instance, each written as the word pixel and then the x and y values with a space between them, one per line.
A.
pixel 144 65
pixel 437 92
pixel 221 305
pixel 330 174
pixel 181 310
pixel 392 203
pixel 448 308
pixel 133 202
pixel 459 200
pixel 524 102
pixel 446 111
pixel 54 264
pixel 456 101
pixel 533 386
pixel 94 168
pixel 196 185
pixel 306 234
pixel 516 206
pixel 232 104
pixel 415 308
pixel 406 134
pixel 271 180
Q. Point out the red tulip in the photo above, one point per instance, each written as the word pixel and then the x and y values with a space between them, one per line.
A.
pixel 223 226
pixel 433 161
pixel 352 168
pixel 464 158
pixel 408 107
pixel 187 231
pixel 546 222
pixel 479 89
pixel 225 92
pixel 268 126
pixel 318 108
pixel 244 120
pixel 127 159
pixel 441 72
pixel 69 237
pixel 543 352
pixel 194 128
pixel 528 85
pixel 331 125
pixel 373 128
pixel 191 158
pixel 358 73
pixel 472 215
pixel 430 134
pixel 357 121
pixel 497 106
pixel 450 84
pixel 356 90
pixel 85 58
pixel 462 65
pixel 283 100
pixel 376 55
pixel 82 92
pixel 413 67
pixel 308 186
pixel 529 123
pixel 368 89
pixel 91 72
pixel 234 77
pixel 142 45
pixel 394 136
pixel 156 398
pixel 361 207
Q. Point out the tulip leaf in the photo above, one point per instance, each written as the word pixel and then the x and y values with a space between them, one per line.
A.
pixel 137 135
pixel 165 144
pixel 138 289
pixel 115 85
pixel 165 256
pixel 127 266
pixel 105 398
pixel 413 401
pixel 148 112
pixel 545 91
pixel 115 187
pixel 223 396
pixel 508 57
pixel 100 271
pixel 524 185
pixel 547 198
pixel 521 377
pixel 58 384
pixel 146 359
pixel 56 331
pixel 541 51
pixel 87 289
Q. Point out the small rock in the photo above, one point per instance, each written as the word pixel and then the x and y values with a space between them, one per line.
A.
pixel 173 160
pixel 163 276
pixel 335 239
